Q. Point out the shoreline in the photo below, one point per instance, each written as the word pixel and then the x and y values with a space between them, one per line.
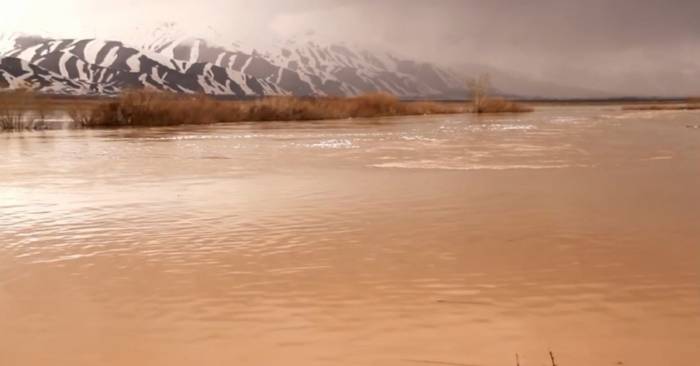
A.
pixel 22 110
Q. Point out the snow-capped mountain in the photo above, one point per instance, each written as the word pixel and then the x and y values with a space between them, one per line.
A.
pixel 308 67
pixel 361 70
pixel 16 73
pixel 174 61
pixel 110 66
pixel 7 41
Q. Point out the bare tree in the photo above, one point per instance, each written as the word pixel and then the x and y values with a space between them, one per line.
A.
pixel 479 88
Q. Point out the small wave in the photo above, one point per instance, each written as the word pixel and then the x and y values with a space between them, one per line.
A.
pixel 502 127
pixel 197 137
pixel 332 144
pixel 568 120
pixel 653 158
pixel 419 138
pixel 438 165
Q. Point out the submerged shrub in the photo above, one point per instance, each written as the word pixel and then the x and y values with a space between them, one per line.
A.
pixel 14 105
pixel 481 102
pixel 153 108
pixel 500 105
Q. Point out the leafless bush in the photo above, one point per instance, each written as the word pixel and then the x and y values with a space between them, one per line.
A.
pixel 481 102
pixel 14 104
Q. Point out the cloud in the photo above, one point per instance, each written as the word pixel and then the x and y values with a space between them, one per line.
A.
pixel 623 46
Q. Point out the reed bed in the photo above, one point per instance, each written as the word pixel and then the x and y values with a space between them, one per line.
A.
pixel 499 105
pixel 147 108
pixel 14 105
pixel 24 109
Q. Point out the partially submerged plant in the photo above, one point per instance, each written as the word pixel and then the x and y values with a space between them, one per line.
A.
pixel 481 102
pixel 154 108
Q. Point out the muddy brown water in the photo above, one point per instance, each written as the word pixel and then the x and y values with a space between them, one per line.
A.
pixel 405 241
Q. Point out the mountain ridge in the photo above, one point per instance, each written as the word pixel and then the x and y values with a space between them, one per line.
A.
pixel 115 64
pixel 186 64
pixel 304 65
pixel 307 67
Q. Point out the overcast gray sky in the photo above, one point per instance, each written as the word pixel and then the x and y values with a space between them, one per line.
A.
pixel 620 46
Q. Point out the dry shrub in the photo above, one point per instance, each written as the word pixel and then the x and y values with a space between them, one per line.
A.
pixel 82 117
pixel 157 108
pixel 14 105
pixel 373 105
pixel 423 108
pixel 479 88
pixel 24 108
pixel 500 105
pixel 481 102
pixel 152 108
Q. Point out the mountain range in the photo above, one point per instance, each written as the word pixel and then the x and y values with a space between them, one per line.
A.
pixel 171 61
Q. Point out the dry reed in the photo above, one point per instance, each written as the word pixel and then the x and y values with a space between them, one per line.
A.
pixel 25 109
pixel 500 105
pixel 20 109
pixel 149 108
pixel 14 105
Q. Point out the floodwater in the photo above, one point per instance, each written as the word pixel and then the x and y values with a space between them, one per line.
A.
pixel 450 240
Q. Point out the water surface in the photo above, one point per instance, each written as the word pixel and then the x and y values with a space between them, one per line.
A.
pixel 402 241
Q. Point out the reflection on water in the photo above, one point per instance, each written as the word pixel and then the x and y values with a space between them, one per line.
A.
pixel 424 240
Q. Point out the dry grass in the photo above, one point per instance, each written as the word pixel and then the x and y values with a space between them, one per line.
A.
pixel 499 105
pixel 21 109
pixel 148 108
pixel 25 109
pixel 14 105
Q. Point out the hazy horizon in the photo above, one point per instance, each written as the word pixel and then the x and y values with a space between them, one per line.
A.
pixel 599 48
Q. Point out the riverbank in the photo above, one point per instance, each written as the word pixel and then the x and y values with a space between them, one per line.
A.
pixel 25 110
pixel 663 107
pixel 143 108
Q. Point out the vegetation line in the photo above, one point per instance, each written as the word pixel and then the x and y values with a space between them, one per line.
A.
pixel 21 109
pixel 690 106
